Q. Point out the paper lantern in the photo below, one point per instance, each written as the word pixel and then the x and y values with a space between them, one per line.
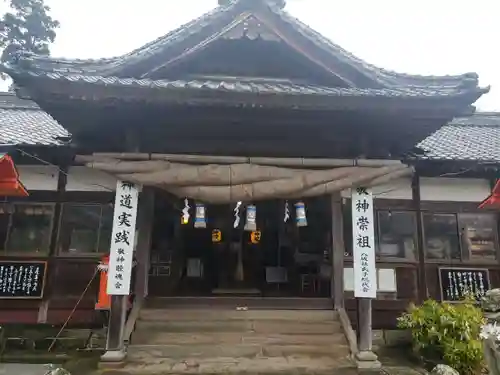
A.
pixel 300 214
pixel 255 237
pixel 200 220
pixel 251 218
pixel 216 235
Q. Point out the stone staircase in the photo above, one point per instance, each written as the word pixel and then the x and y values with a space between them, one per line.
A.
pixel 214 340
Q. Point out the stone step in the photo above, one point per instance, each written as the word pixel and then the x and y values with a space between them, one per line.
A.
pixel 166 338
pixel 254 366
pixel 158 353
pixel 259 326
pixel 226 314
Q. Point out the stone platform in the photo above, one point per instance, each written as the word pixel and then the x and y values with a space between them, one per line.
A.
pixel 228 341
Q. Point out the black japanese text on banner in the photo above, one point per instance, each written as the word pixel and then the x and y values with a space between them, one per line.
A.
pixel 122 238
pixel 365 273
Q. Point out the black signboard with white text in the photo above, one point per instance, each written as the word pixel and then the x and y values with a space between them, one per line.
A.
pixel 22 279
pixel 456 283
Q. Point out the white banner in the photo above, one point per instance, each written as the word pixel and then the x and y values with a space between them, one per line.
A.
pixel 122 238
pixel 363 244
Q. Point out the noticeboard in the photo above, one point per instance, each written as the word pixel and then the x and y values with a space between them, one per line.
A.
pixel 22 279
pixel 456 283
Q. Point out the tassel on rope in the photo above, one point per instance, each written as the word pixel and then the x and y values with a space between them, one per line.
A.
pixel 236 223
pixel 300 214
pixel 251 218
pixel 185 212
pixel 200 220
pixel 287 212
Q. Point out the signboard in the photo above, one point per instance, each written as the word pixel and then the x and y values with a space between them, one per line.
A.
pixel 122 238
pixel 365 274
pixel 456 283
pixel 22 279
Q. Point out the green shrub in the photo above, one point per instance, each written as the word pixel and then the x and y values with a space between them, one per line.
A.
pixel 449 333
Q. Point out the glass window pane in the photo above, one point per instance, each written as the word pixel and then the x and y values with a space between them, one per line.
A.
pixel 479 235
pixel 441 236
pixel 30 228
pixel 397 234
pixel 79 228
pixel 106 228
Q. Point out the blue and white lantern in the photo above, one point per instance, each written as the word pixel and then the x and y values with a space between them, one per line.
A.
pixel 300 214
pixel 200 220
pixel 251 218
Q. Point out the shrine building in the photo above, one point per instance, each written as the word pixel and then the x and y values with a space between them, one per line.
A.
pixel 267 171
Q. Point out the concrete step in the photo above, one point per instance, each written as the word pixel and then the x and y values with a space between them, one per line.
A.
pixel 232 314
pixel 254 366
pixel 166 338
pixel 157 353
pixel 259 326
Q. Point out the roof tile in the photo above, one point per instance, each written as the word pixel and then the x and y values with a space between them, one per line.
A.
pixel 473 138
pixel 22 122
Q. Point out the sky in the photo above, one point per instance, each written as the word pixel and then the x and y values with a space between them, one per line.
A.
pixel 435 37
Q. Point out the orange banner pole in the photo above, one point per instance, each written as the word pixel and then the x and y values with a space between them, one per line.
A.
pixel 103 298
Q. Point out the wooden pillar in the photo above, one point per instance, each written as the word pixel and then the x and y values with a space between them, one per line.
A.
pixel 417 204
pixel 338 250
pixel 365 324
pixel 65 159
pixel 62 179
pixel 145 227
pixel 114 342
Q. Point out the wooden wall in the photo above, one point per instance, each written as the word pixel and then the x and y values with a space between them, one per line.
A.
pixel 67 276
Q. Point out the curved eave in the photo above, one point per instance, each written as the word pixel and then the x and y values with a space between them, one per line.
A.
pixel 106 66
pixel 247 93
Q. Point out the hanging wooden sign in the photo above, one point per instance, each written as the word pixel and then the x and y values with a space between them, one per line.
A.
pixel 457 283
pixel 22 279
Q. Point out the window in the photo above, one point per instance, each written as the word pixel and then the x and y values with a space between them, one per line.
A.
pixel 85 228
pixel 26 228
pixel 396 235
pixel 441 236
pixel 460 236
pixel 479 236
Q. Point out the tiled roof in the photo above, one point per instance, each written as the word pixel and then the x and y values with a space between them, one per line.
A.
pixel 474 138
pixel 22 122
pixel 209 26
pixel 258 86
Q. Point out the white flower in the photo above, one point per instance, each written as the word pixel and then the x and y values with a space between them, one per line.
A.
pixel 490 331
